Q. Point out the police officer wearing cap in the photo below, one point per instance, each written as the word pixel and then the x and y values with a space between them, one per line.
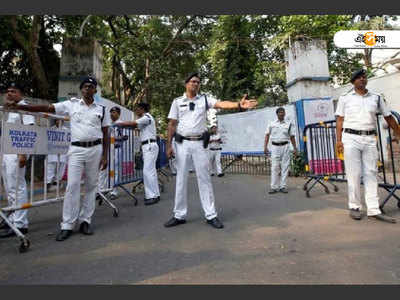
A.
pixel 147 127
pixel 356 137
pixel 12 162
pixel 115 113
pixel 280 132
pixel 187 121
pixel 87 153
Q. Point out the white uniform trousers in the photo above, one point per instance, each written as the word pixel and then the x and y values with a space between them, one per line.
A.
pixel 81 159
pixel 280 159
pixel 52 169
pixel 103 174
pixel 19 218
pixel 187 151
pixel 150 179
pixel 360 158
pixel 215 161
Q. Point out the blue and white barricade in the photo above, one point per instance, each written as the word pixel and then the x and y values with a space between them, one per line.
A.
pixel 39 139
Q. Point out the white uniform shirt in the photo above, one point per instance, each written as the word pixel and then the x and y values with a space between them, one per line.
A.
pixel 215 145
pixel 15 118
pixel 85 120
pixel 147 127
pixel 279 131
pixel 359 112
pixel 191 123
pixel 53 157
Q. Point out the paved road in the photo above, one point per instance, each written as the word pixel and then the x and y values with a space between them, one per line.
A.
pixel 282 239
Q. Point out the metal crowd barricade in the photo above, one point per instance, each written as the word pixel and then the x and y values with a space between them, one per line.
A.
pixel 390 166
pixel 122 163
pixel 252 163
pixel 324 165
pixel 5 211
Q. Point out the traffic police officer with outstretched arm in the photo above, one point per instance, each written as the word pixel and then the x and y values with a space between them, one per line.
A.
pixel 87 153
pixel 10 164
pixel 280 132
pixel 187 121
pixel 356 136
pixel 147 127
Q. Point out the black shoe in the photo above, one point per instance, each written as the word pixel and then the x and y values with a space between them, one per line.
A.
pixel 382 217
pixel 355 214
pixel 150 201
pixel 283 190
pixel 63 235
pixel 9 232
pixel 174 222
pixel 220 175
pixel 216 223
pixel 85 228
pixel 212 174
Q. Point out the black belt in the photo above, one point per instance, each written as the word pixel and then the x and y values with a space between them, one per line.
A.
pixel 360 132
pixel 279 144
pixel 148 141
pixel 215 148
pixel 192 138
pixel 87 144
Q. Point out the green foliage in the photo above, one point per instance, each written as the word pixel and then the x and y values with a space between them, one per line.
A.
pixel 146 58
pixel 297 164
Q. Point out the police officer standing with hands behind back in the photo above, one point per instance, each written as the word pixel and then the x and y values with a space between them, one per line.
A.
pixel 280 132
pixel 87 153
pixel 187 121
pixel 356 117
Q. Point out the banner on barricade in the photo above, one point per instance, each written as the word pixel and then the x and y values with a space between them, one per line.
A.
pixel 30 139
pixel 245 131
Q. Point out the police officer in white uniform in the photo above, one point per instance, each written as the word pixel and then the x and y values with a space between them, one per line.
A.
pixel 150 149
pixel 52 159
pixel 356 136
pixel 10 164
pixel 115 113
pixel 214 148
pixel 187 118
pixel 280 132
pixel 87 153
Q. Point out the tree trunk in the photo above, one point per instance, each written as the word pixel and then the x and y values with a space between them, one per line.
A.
pixel 30 46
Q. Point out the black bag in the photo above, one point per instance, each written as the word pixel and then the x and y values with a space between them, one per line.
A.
pixel 206 138
pixel 206 134
pixel 178 138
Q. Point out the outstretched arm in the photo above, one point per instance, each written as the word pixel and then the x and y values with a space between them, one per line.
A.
pixel 243 103
pixel 132 124
pixel 49 108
